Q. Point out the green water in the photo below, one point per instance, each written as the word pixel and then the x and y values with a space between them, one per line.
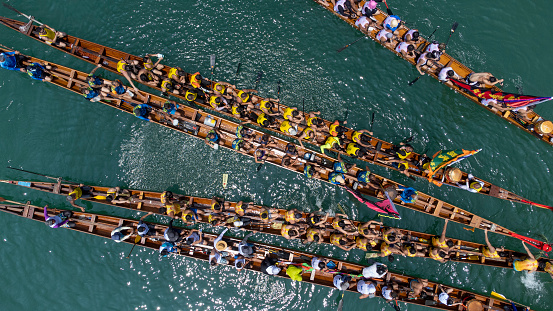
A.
pixel 57 133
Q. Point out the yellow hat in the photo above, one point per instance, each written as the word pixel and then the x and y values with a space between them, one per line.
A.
pixel 221 246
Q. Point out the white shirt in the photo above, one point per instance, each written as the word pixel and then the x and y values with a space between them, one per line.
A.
pixel 370 272
pixel 315 263
pixel 402 47
pixel 338 280
pixel 340 3
pixel 387 293
pixel 366 8
pixel 362 21
pixel 410 33
pixel 443 298
pixel 366 288
pixel 433 47
pixel 382 34
pixel 422 59
pixel 442 76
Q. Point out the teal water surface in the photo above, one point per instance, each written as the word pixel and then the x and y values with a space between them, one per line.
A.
pixel 58 133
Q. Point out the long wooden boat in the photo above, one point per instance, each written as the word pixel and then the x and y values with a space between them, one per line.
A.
pixel 150 202
pixel 458 67
pixel 102 226
pixel 197 123
pixel 98 54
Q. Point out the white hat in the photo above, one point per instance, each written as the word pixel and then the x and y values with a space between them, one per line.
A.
pixel 292 131
pixel 238 223
pixel 273 270
pixel 366 288
pixel 340 179
pixel 394 23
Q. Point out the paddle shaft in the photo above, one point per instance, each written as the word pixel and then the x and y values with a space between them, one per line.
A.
pixel 212 65
pixel 348 45
pixel 388 9
pixel 416 79
pixel 236 74
pixel 259 76
pixel 453 28
pixel 20 13
pixel 372 122
pixel 278 95
pixel 18 169
pixel 132 248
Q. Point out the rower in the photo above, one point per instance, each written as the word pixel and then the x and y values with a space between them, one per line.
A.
pixel 243 96
pixel 341 282
pixel 115 89
pixel 365 244
pixel 547 266
pixel 365 230
pixel 60 220
pixel 438 254
pixel 146 76
pixel 375 271
pixel 79 192
pixel 330 142
pixel 366 288
pixel 11 61
pixel 406 50
pixel 444 298
pixel 440 242
pixel 386 38
pixel 391 236
pixel 342 167
pixel 264 120
pixel 315 122
pixel 483 79
pixel 50 36
pixel 167 248
pixel 336 178
pixel 91 94
pixel 387 250
pixel 293 216
pixel 319 264
pixel 218 205
pixel 314 235
pixel 167 86
pixel 195 237
pixel 447 73
pixel 118 236
pixel 433 46
pixel 242 208
pixel 344 8
pixel 93 80
pixel 148 64
pixel 411 250
pixel 388 291
pixel 128 70
pixel 529 264
pixel 417 287
pixel 291 231
pixel 308 133
pixel 408 194
pixel 472 184
pixel 171 234
pixel 115 196
pixel 392 23
pixel 172 209
pixel 242 146
pixel 489 251
pixel 177 75
pixel 288 128
pixel 310 170
pixel 355 151
pixel 412 36
pixel 170 109
pixel 213 138
pixel 244 248
pixel 315 220
pixel 142 111
pixel 337 130
pixel 340 224
pixel 266 106
pixel 364 180
pixel 143 229
pixel 190 215
pixel 427 60
pixel 218 102
pixel 196 80
pixel 365 24
pixel 341 241
pixel 38 72
pixel 369 9
pixel 270 266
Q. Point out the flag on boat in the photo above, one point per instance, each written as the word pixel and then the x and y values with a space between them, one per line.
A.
pixel 510 99
pixel 536 243
pixel 445 158
pixel 385 207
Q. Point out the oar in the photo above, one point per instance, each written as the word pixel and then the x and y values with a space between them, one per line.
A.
pixel 421 47
pixel 394 305
pixel 136 240
pixel 500 296
pixel 13 202
pixel 236 74
pixel 278 95
pixel 348 45
pixel 18 169
pixel 388 9
pixel 416 79
pixel 212 63
pixel 259 76
pixel 372 122
pixel 18 12
pixel 341 303
pixel 303 109
pixel 453 28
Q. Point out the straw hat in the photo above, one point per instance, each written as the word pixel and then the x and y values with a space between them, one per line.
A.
pixel 546 127
pixel 474 305
pixel 454 174
pixel 221 246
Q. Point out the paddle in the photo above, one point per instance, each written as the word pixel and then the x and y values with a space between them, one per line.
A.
pixel 278 95
pixel 212 63
pixel 394 305
pixel 18 12
pixel 453 28
pixel 236 74
pixel 259 76
pixel 388 9
pixel 421 47
pixel 136 240
pixel 341 303
pixel 348 45
pixel 416 79
pixel 13 202
pixel 18 169
pixel 500 296
pixel 372 122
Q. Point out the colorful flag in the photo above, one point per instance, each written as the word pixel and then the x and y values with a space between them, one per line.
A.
pixel 510 99
pixel 447 157
pixel 386 207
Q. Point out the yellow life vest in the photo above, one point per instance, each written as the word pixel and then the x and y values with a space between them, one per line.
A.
pixel 212 102
pixel 234 110
pixel 262 105
pixel 361 243
pixel 385 238
pixel 78 193
pixel 335 239
pixel 209 218
pixel 240 96
pixel 409 253
pixel 486 252
pixel 356 136
pixel 332 140
pixel 310 121
pixel 173 207
pixel 285 126
pixel 173 72
pixel 196 83
pixel 164 197
pixel 352 149
pixel 332 129
pixel 436 243
pixel 238 208
pixel 190 96
pixel 437 256
pixel 148 65
pixel 548 268
pixel 287 113
pixel 403 157
pixel 49 34
pixel 284 230
pixel 164 83
pixel 311 233
pixel 261 118
pixel 187 214
pixel 306 130
pixel 121 66
pixel 289 216
pixel 222 91
pixel 112 193
pixel 385 249
pixel 360 228
pixel 213 206
pixel 335 224
pixel 527 264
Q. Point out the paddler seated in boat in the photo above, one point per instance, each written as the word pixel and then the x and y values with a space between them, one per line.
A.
pixel 319 264
pixel 129 70
pixel 60 220
pixel 291 163
pixel 355 151
pixel 79 192
pixel 172 234
pixel 219 103
pixel 197 81
pixel 365 244
pixel 546 265
pixel 392 236
pixel 494 105
pixel 309 134
pixel 12 61
pixel 223 88
pixel 489 251
pixel 412 250
pixel 294 216
pixel 146 76
pixel 121 233
pixel 332 142
pixel 441 241
pixel 375 271
pixel 177 75
pixel 215 219
pixel 115 196
pixel 428 61
pixel 268 214
pixel 195 237
pixel 336 178
pixel 142 111
pixel 144 229
pixel 289 128
pixel 366 288
pixel 390 291
pixel 90 94
pixel 423 163
pixel 341 241
pixel 472 184
pixel 447 73
pixel 343 225
pixel 401 164
pixel 242 96
pixel 388 251
pixel 170 109
pixel 168 87
pixel 172 209
pixel 291 114
pixel 369 9
pixel 417 287
pixel 438 254
pixel 341 282
pixel 482 79
pixel 238 110
pixel 218 205
pixel 337 130
pixel 242 146
pixel 148 64
pixel 291 231
pixel 39 72
pixel 314 235
pixel 190 215
pixel 529 264
pixel 345 8
pixel 50 36
pixel 406 50
pixel 444 298
pixel 213 138
pixel 367 229
pixel 262 154
pixel 93 80
pixel 315 122
pixel 263 120
pixel 116 89
pixel 311 170
pixel 392 23
pixel 168 248
pixel 363 179
pixel 266 106
pixel 316 220
pixel 386 38
pixel 412 36
pixel 341 166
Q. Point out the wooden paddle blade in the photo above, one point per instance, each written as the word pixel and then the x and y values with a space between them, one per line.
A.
pixel 137 239
pixel 498 295
pixel 340 305
pixel 416 79
pixel 212 61
pixel 454 26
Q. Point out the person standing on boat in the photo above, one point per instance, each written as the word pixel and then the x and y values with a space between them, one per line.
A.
pixel 482 79
pixel 529 264
pixel 80 192
pixel 118 236
pixel 11 61
pixel 60 220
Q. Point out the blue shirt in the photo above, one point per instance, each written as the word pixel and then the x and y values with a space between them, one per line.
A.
pixel 140 111
pixel 172 108
pixel 91 94
pixel 388 26
pixel 38 73
pixel 10 62
pixel 340 167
